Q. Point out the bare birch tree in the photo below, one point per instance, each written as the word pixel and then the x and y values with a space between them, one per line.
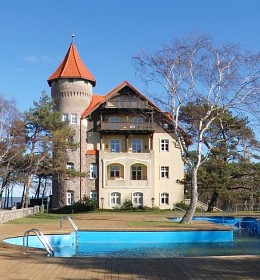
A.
pixel 192 70
pixel 11 142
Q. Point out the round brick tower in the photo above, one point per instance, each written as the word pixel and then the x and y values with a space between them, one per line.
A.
pixel 71 89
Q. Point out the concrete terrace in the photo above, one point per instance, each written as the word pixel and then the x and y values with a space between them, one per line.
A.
pixel 16 265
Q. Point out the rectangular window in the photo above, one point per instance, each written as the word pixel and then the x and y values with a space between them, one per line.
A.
pixel 137 145
pixel 138 120
pixel 164 145
pixel 93 195
pixel 114 171
pixel 73 118
pixel 70 165
pixel 136 172
pixel 164 198
pixel 65 117
pixel 115 146
pixel 93 171
pixel 70 198
pixel 115 198
pixel 164 172
pixel 137 199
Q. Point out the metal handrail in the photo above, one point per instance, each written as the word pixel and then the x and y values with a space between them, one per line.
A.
pixel 75 229
pixel 70 220
pixel 41 237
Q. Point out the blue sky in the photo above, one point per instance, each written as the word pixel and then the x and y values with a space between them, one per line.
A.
pixel 35 36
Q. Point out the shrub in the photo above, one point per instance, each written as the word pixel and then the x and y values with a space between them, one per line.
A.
pixel 181 205
pixel 127 205
pixel 85 205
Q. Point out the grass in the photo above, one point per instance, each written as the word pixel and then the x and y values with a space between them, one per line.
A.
pixel 38 219
pixel 160 224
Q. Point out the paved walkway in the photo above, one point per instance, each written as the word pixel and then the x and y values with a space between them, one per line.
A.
pixel 35 265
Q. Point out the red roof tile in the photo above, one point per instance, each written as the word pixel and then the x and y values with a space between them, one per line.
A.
pixel 72 67
pixel 91 152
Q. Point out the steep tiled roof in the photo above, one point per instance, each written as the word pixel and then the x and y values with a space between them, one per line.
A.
pixel 96 100
pixel 72 67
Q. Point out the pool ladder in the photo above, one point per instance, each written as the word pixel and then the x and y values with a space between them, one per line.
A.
pixel 75 231
pixel 41 237
pixel 71 222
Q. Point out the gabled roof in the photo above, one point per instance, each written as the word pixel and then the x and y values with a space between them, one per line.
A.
pixel 72 67
pixel 98 100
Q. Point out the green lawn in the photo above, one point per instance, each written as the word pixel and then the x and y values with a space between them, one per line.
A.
pixel 38 219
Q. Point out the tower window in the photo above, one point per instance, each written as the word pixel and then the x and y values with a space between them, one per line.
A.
pixel 73 118
pixel 65 117
pixel 70 165
pixel 93 171
pixel 70 197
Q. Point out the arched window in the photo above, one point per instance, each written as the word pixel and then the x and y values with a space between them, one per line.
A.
pixel 164 198
pixel 138 172
pixel 115 170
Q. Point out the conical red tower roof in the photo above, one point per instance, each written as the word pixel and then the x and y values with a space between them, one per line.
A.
pixel 72 67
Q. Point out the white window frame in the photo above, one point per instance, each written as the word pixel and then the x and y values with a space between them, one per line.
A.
pixel 164 145
pixel 164 198
pixel 137 198
pixel 93 195
pixel 115 198
pixel 73 118
pixel 115 145
pixel 137 145
pixel 70 198
pixel 164 172
pixel 70 165
pixel 93 171
pixel 65 117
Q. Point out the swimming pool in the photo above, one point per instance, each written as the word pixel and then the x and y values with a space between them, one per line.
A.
pixel 145 244
pixel 150 244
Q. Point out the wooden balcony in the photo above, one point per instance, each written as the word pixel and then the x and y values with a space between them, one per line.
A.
pixel 126 126
pixel 128 104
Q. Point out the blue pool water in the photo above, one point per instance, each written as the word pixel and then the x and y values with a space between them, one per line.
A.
pixel 147 244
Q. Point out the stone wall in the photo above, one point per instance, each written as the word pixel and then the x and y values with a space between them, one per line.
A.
pixel 9 215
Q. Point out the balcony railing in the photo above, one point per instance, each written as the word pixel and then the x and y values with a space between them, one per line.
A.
pixel 128 104
pixel 132 126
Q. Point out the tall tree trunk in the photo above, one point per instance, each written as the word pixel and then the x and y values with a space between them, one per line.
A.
pixel 213 201
pixel 194 198
pixel 37 193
